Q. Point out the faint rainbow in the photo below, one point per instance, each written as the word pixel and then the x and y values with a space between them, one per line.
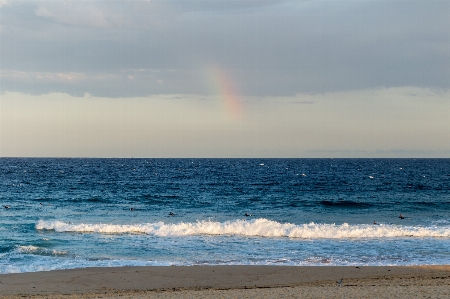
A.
pixel 224 87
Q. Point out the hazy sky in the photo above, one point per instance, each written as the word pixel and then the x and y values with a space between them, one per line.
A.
pixel 249 78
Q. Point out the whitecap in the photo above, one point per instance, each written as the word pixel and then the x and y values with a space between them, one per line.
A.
pixel 256 228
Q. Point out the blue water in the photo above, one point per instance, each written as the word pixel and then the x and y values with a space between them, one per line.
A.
pixel 73 213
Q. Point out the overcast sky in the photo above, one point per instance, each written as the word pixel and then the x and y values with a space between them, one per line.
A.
pixel 225 78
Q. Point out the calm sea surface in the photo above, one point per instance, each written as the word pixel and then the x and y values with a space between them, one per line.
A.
pixel 74 213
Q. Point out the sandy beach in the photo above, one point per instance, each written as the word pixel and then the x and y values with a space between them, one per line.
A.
pixel 231 282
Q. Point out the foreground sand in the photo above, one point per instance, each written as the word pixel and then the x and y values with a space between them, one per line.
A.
pixel 231 282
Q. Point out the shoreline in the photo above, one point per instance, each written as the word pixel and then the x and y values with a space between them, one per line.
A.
pixel 230 281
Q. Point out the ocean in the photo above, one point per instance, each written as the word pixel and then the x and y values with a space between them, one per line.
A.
pixel 76 213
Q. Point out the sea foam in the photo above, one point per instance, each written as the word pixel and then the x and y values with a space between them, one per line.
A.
pixel 39 250
pixel 256 228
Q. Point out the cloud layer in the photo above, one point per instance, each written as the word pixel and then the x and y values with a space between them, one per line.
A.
pixel 267 48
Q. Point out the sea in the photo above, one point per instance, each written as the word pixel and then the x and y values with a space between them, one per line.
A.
pixel 59 213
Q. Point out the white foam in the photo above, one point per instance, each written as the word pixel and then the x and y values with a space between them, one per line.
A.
pixel 47 263
pixel 39 250
pixel 258 227
pixel 29 248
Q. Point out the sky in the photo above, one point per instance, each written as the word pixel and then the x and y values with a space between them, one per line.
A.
pixel 225 78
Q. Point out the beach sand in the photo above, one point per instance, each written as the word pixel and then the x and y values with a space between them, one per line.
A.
pixel 231 282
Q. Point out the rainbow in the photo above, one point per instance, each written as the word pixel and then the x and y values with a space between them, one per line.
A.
pixel 224 87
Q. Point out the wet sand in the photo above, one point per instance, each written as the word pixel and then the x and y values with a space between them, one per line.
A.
pixel 231 282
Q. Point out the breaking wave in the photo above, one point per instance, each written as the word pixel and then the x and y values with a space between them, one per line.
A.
pixel 39 251
pixel 256 228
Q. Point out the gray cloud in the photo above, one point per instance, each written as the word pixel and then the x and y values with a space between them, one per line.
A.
pixel 135 48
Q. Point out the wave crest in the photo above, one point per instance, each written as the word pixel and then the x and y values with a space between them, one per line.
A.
pixel 256 228
pixel 39 251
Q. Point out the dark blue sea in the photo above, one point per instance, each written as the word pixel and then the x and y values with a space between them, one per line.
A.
pixel 76 213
